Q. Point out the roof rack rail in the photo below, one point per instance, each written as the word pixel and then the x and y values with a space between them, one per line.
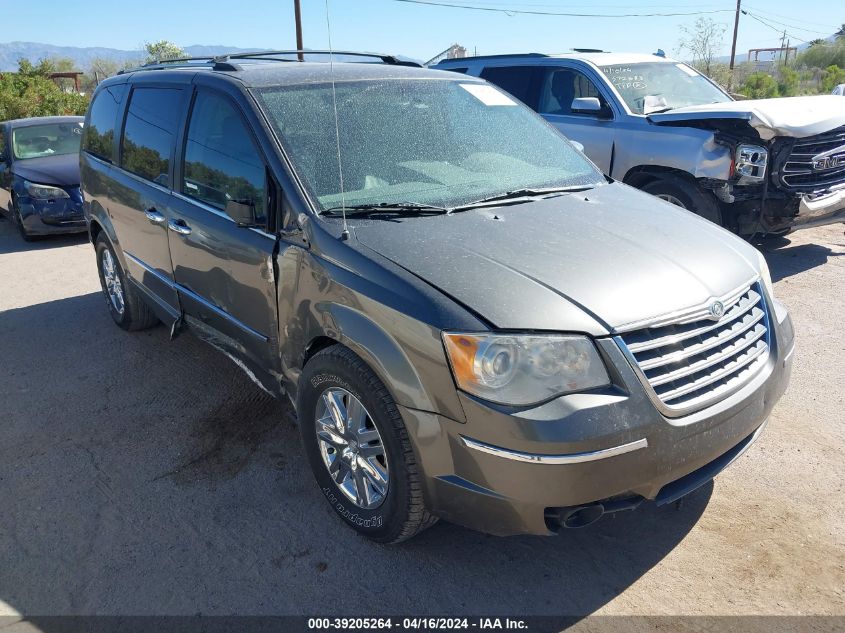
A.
pixel 504 56
pixel 385 59
pixel 226 61
pixel 589 50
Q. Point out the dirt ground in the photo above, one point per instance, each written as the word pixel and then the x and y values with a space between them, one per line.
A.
pixel 143 476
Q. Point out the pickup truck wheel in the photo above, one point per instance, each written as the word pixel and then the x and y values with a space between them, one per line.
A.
pixel 125 305
pixel 687 196
pixel 358 447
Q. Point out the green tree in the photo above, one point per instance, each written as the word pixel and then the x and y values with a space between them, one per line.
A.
pixel 840 32
pixel 760 86
pixel 162 50
pixel 822 55
pixel 100 68
pixel 702 41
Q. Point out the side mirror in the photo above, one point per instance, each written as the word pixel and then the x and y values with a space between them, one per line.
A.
pixel 241 211
pixel 589 105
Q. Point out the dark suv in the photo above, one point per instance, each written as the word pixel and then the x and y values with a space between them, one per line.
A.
pixel 470 320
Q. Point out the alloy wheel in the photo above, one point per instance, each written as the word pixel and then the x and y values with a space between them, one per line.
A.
pixel 111 279
pixel 352 448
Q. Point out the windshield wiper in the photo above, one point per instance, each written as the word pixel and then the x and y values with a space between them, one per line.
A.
pixel 520 195
pixel 385 207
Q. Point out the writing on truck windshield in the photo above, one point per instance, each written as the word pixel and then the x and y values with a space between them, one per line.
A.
pixel 434 142
pixel 657 86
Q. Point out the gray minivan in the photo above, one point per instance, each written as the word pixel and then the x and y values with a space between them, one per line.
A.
pixel 470 320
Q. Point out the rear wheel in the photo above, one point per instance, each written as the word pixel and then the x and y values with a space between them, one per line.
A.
pixel 126 306
pixel 686 195
pixel 358 447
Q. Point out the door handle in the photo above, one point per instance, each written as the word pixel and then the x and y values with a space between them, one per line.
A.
pixel 154 216
pixel 179 226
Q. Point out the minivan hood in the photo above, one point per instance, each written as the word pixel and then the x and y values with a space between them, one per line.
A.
pixel 787 116
pixel 591 262
pixel 60 170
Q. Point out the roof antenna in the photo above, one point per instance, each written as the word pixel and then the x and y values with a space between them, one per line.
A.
pixel 345 235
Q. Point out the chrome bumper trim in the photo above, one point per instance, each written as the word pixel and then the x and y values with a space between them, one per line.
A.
pixel 573 458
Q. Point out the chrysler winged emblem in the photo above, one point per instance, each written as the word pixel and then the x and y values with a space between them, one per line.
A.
pixel 717 309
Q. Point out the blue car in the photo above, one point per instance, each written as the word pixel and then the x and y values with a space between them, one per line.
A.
pixel 39 175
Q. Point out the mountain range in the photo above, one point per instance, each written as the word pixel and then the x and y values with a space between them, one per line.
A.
pixel 11 52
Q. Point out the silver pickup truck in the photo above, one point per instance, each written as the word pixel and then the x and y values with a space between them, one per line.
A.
pixel 754 166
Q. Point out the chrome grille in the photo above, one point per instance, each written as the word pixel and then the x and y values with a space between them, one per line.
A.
pixel 691 363
pixel 798 171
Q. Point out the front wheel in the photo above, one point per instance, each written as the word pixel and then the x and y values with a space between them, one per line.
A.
pixel 18 219
pixel 358 447
pixel 686 195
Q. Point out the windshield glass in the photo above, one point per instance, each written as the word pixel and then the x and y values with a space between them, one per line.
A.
pixel 654 86
pixel 50 139
pixel 438 142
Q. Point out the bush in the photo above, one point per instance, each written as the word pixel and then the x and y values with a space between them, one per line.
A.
pixel 832 77
pixel 30 92
pixel 760 86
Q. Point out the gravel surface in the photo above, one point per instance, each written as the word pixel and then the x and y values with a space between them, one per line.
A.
pixel 144 476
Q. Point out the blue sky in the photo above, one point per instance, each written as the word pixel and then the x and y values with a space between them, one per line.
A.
pixel 418 31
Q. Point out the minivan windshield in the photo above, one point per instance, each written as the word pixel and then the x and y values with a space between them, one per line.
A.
pixel 659 86
pixel 419 142
pixel 49 139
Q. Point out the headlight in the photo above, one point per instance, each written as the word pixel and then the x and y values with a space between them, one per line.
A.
pixel 521 369
pixel 751 163
pixel 765 275
pixel 44 192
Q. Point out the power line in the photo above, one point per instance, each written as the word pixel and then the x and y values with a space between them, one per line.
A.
pixel 774 28
pixel 797 28
pixel 557 13
pixel 788 17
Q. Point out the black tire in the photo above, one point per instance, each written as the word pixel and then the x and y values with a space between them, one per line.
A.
pixel 136 314
pixel 402 513
pixel 686 195
pixel 18 220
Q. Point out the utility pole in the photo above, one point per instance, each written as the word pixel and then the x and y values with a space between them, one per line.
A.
pixel 736 28
pixel 298 17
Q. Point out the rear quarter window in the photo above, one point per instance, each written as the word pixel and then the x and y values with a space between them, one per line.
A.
pixel 521 81
pixel 99 132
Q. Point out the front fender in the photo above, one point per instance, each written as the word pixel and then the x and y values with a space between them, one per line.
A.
pixel 693 151
pixel 389 359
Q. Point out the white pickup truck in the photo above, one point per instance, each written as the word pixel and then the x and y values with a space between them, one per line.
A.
pixel 753 166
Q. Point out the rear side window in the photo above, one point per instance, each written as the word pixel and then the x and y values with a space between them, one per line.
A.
pixel 520 81
pixel 222 164
pixel 463 70
pixel 99 133
pixel 148 134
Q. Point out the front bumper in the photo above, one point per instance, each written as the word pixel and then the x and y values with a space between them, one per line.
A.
pixel 51 217
pixel 505 472
pixel 818 210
